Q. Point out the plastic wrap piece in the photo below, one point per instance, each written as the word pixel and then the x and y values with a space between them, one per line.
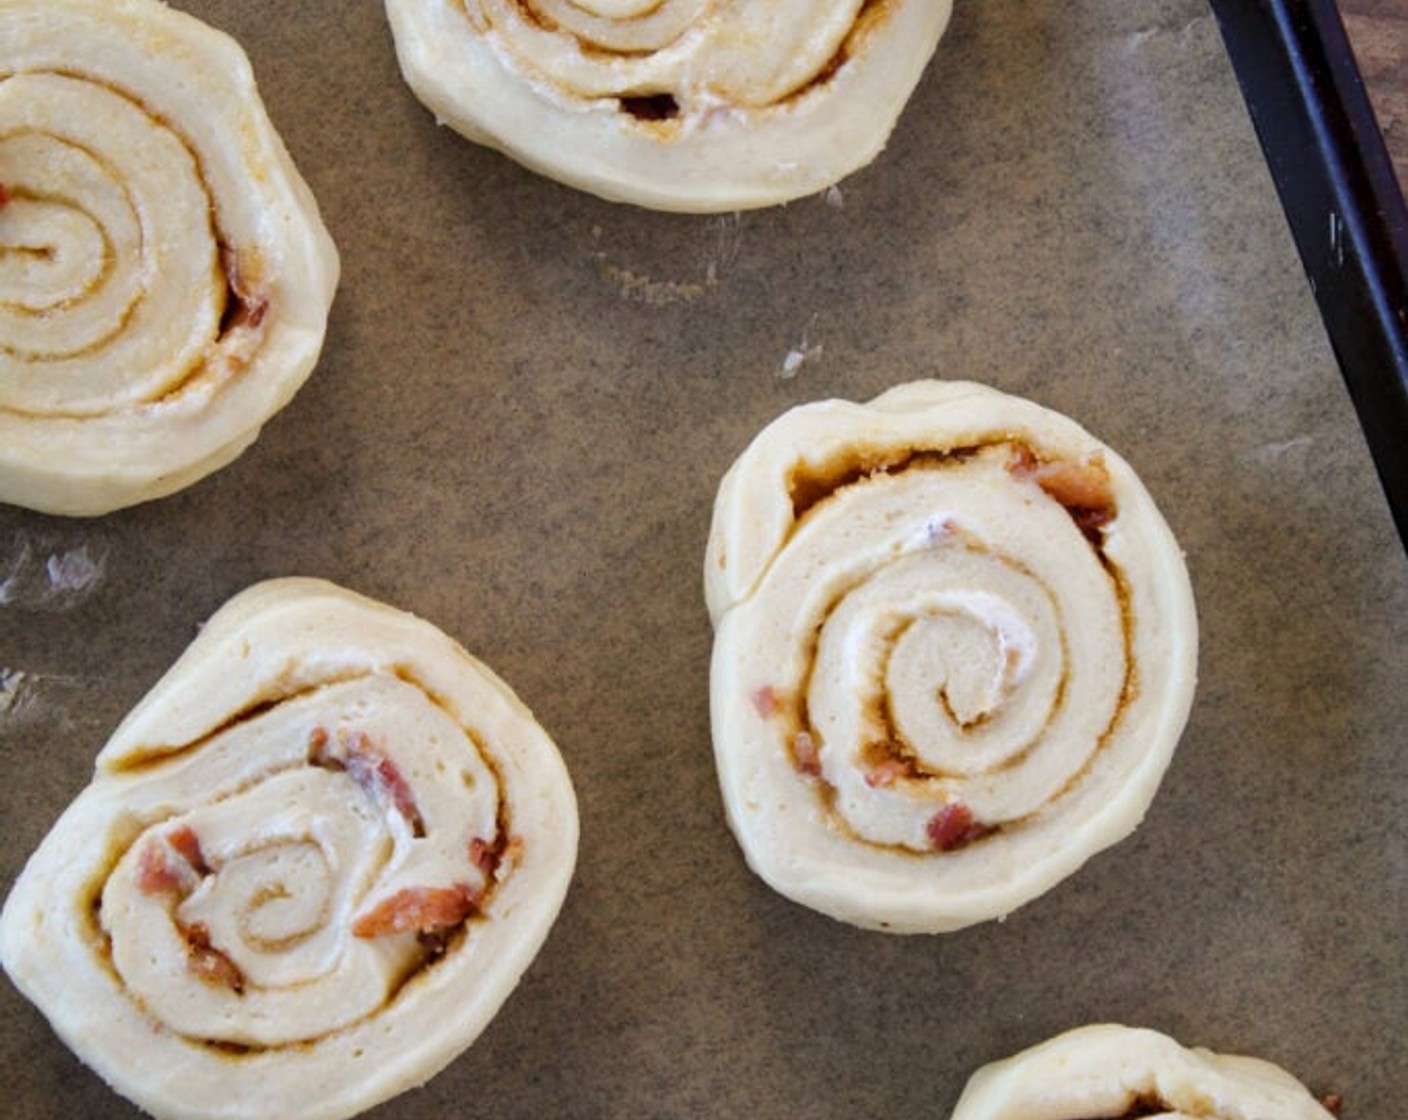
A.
pixel 1342 200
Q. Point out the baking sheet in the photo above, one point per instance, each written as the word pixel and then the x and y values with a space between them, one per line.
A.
pixel 526 401
pixel 1342 201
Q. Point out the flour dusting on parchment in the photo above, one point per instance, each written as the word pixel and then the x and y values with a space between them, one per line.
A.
pixel 722 237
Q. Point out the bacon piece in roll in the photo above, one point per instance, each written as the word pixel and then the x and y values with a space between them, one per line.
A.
pixel 165 278
pixel 955 648
pixel 1126 1072
pixel 313 863
pixel 693 105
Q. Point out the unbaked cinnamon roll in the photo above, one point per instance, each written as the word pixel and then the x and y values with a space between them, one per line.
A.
pixel 955 648
pixel 1124 1073
pixel 695 105
pixel 313 863
pixel 165 278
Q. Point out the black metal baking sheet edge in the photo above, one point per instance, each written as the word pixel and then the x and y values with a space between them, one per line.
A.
pixel 1346 211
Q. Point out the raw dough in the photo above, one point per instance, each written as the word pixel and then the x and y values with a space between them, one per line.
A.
pixel 165 278
pixel 1113 1071
pixel 695 105
pixel 313 863
pixel 955 648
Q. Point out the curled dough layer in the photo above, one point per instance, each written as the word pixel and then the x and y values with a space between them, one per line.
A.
pixel 694 105
pixel 1117 1072
pixel 955 648
pixel 313 863
pixel 165 278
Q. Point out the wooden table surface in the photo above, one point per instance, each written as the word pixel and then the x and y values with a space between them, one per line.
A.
pixel 1378 30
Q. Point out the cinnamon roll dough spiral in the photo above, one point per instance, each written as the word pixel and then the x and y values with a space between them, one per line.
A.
pixel 1116 1071
pixel 955 648
pixel 693 105
pixel 165 277
pixel 313 863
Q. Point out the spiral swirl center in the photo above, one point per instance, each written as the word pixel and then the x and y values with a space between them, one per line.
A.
pixel 289 899
pixel 111 287
pixel 701 55
pixel 942 674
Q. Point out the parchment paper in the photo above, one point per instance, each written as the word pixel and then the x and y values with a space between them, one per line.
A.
pixel 527 399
